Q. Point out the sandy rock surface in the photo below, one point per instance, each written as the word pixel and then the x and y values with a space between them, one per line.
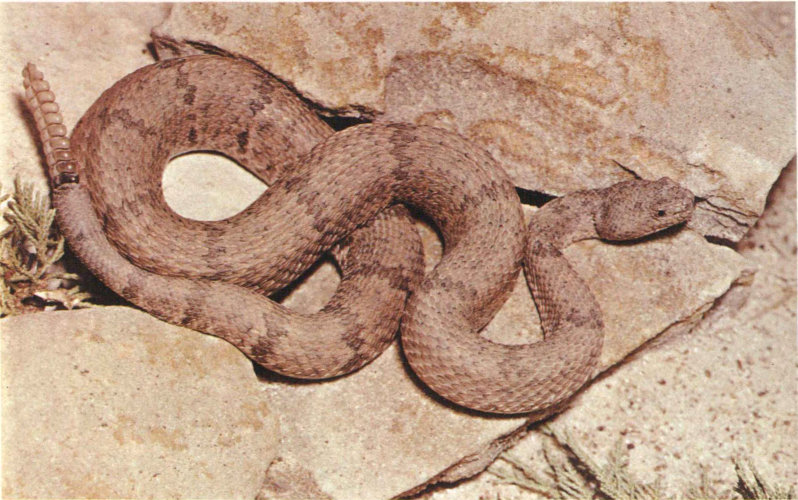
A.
pixel 378 433
pixel 112 403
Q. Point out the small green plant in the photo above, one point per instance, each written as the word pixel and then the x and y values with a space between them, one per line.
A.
pixel 572 474
pixel 30 248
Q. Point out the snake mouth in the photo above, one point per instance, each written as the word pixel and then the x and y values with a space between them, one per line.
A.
pixel 680 208
pixel 685 212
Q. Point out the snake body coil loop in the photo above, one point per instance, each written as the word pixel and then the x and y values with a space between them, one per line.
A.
pixel 340 192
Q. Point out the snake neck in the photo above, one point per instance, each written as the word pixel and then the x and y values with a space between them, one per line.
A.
pixel 564 221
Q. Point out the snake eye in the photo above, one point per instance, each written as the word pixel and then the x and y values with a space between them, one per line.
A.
pixel 660 213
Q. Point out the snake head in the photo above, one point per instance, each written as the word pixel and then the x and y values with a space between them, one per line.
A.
pixel 637 208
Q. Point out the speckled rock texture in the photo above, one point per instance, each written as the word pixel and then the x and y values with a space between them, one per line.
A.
pixel 560 112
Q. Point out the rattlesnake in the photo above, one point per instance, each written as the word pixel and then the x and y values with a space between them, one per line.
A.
pixel 341 192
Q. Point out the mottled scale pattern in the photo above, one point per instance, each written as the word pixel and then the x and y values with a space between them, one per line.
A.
pixel 342 192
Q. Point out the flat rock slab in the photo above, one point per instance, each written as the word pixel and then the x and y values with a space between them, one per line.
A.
pixel 565 96
pixel 112 403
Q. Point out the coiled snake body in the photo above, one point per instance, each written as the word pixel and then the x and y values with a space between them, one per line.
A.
pixel 341 192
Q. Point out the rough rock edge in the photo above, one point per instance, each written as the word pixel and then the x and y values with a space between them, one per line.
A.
pixel 470 465
pixel 168 47
pixel 288 480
